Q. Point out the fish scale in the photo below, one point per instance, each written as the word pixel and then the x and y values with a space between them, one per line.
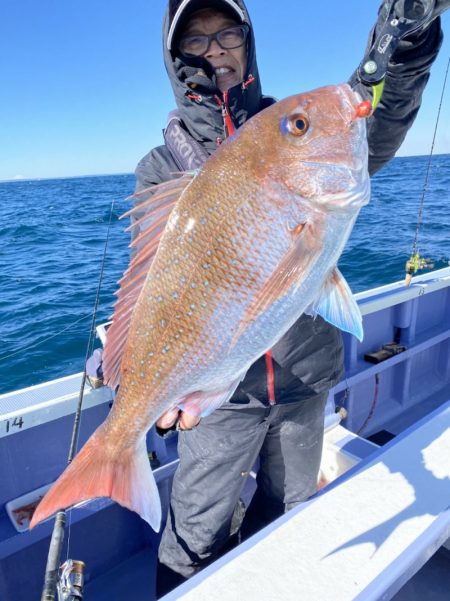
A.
pixel 247 245
pixel 217 268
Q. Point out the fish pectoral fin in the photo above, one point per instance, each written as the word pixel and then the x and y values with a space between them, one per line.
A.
pixel 202 403
pixel 151 216
pixel 125 476
pixel 337 305
pixel 289 273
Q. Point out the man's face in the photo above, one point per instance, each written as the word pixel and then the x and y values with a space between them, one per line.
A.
pixel 228 64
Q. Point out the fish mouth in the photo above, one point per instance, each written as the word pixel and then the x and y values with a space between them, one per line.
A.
pixel 350 99
pixel 350 192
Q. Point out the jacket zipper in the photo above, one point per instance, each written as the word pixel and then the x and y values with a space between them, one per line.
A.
pixel 229 127
pixel 229 130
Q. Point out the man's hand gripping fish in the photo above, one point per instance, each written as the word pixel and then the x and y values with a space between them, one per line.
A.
pixel 228 260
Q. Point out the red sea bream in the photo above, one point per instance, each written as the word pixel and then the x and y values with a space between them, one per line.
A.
pixel 229 258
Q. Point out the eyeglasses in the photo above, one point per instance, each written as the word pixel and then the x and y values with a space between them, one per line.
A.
pixel 197 45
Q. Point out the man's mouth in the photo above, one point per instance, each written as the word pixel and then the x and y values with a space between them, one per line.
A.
pixel 220 71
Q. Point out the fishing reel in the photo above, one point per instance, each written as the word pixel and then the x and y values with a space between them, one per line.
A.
pixel 414 264
pixel 71 581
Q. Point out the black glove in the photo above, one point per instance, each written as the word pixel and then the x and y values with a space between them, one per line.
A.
pixel 405 29
pixel 415 15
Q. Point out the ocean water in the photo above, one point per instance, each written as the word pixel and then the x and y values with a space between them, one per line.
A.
pixel 53 235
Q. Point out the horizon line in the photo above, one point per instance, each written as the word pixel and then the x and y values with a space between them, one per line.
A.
pixel 19 178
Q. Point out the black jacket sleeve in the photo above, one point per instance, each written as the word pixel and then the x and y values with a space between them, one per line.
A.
pixel 156 167
pixel 407 76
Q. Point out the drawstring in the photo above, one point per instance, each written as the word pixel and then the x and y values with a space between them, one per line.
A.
pixel 229 127
pixel 194 97
pixel 270 378
pixel 251 79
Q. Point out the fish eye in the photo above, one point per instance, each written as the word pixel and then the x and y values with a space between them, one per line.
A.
pixel 298 124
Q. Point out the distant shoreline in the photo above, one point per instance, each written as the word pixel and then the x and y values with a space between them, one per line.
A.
pixel 44 179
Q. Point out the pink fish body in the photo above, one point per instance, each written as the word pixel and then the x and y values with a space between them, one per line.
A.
pixel 227 262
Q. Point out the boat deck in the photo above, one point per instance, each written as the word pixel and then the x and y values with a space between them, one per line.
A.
pixel 370 531
pixel 381 402
pixel 409 479
pixel 134 580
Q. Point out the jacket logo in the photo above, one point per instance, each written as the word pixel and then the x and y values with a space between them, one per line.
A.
pixel 384 43
pixel 182 146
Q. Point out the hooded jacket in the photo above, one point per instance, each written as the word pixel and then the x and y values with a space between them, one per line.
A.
pixel 308 360
pixel 197 99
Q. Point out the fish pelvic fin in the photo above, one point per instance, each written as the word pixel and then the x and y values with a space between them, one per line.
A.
pixel 150 217
pixel 123 475
pixel 202 403
pixel 337 305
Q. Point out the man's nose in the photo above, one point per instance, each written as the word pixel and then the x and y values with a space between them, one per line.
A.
pixel 214 50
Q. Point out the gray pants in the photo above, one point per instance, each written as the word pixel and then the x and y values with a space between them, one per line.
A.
pixel 215 459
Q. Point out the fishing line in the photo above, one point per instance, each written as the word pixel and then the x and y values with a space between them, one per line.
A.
pixel 54 555
pixel 90 344
pixel 33 344
pixel 89 349
pixel 415 262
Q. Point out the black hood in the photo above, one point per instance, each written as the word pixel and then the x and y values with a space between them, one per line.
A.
pixel 194 86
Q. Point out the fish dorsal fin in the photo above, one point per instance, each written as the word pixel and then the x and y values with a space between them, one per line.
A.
pixel 150 218
pixel 337 305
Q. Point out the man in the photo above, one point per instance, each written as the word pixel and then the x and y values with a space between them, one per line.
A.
pixel 277 411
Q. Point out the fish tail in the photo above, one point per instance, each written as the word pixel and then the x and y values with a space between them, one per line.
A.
pixel 124 475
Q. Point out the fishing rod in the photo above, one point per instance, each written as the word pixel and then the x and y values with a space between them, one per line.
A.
pixel 68 579
pixel 416 262
pixel 395 24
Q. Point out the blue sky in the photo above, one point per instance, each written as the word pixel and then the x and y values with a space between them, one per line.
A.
pixel 84 90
